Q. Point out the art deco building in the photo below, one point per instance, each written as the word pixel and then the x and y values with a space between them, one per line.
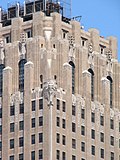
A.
pixel 59 88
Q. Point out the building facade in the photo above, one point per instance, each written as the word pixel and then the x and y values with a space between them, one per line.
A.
pixel 59 91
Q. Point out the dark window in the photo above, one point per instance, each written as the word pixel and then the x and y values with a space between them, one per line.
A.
pixel 0 112
pixel 11 143
pixel 101 137
pixel 41 121
pixel 2 66
pixel 73 76
pixel 58 138
pixel 0 146
pixel 119 126
pixel 21 125
pixel 12 127
pixel 21 108
pixel 29 33
pixel 73 157
pixel 40 154
pixel 33 139
pixel 102 120
pixel 0 129
pixel 83 113
pixel 93 150
pixel 63 106
pixel 33 105
pixel 40 103
pixel 21 74
pixel 112 155
pixel 21 142
pixel 63 123
pixel 58 121
pixel 12 110
pixel 93 134
pixel 83 146
pixel 33 122
pixel 11 157
pixel 111 124
pixel 73 110
pixel 92 83
pixel 8 38
pixel 74 143
pixel 119 143
pixel 82 159
pixel 33 155
pixel 111 94
pixel 63 140
pixel 112 140
pixel 83 130
pixel 58 155
pixel 73 127
pixel 21 157
pixel 58 104
pixel 102 153
pixel 63 156
pixel 40 137
pixel 93 117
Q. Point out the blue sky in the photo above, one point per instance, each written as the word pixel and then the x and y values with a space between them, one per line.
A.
pixel 101 14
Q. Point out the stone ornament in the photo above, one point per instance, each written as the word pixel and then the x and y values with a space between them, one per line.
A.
pixel 90 54
pixel 109 60
pixel 2 50
pixel 71 55
pixel 111 113
pixel 92 106
pixel 22 44
pixel 74 100
pixel 49 91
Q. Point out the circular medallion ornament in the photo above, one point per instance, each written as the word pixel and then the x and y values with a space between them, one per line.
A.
pixel 90 48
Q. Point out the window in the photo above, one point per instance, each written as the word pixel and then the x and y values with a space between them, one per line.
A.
pixel 58 121
pixel 58 155
pixel 74 143
pixel 21 156
pixel 58 138
pixel 33 105
pixel 102 153
pixel 112 140
pixel 73 76
pixel 0 112
pixel 101 137
pixel 111 124
pixel 7 38
pixel 63 106
pixel 40 154
pixel 63 156
pixel 93 134
pixel 21 125
pixel 41 121
pixel 21 142
pixel 102 120
pixel 11 143
pixel 112 155
pixel 58 104
pixel 40 137
pixel 0 129
pixel 0 146
pixel 33 122
pixel 83 146
pixel 63 123
pixel 73 157
pixel 21 108
pixel 73 127
pixel 83 113
pixel 111 88
pixel 40 104
pixel 83 42
pixel 102 49
pixel 119 143
pixel 63 140
pixel 11 157
pixel 64 34
pixel 93 117
pixel 92 83
pixel 33 139
pixel 12 127
pixel 119 126
pixel 21 74
pixel 2 66
pixel 12 110
pixel 29 32
pixel 73 110
pixel 93 150
pixel 33 155
pixel 83 130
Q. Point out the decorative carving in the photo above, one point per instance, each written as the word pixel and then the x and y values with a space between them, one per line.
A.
pixel 71 48
pixel 90 55
pixel 111 113
pixel 49 91
pixel 22 44
pixel 73 99
pixel 109 61
pixel 2 50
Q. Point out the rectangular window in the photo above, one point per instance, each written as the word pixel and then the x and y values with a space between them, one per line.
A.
pixel 7 38
pixel 21 142
pixel 21 108
pixel 83 113
pixel 33 105
pixel 111 124
pixel 93 117
pixel 63 106
pixel 33 155
pixel 58 138
pixel 63 123
pixel 11 157
pixel 101 137
pixel 119 126
pixel 12 127
pixel 63 140
pixel 12 110
pixel 40 154
pixel 102 120
pixel 33 122
pixel 58 121
pixel 73 157
pixel 102 153
pixel 119 143
pixel 112 155
pixel 58 104
pixel 112 140
pixel 40 104
pixel 73 110
pixel 0 112
pixel 63 156
pixel 0 146
pixel 40 137
pixel 93 134
pixel 83 41
pixel 58 155
pixel 93 150
pixel 73 143
pixel 0 129
pixel 21 125
pixel 73 127
pixel 41 121
pixel 21 157
pixel 11 143
pixel 33 139
pixel 83 130
pixel 83 146
pixel 29 32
